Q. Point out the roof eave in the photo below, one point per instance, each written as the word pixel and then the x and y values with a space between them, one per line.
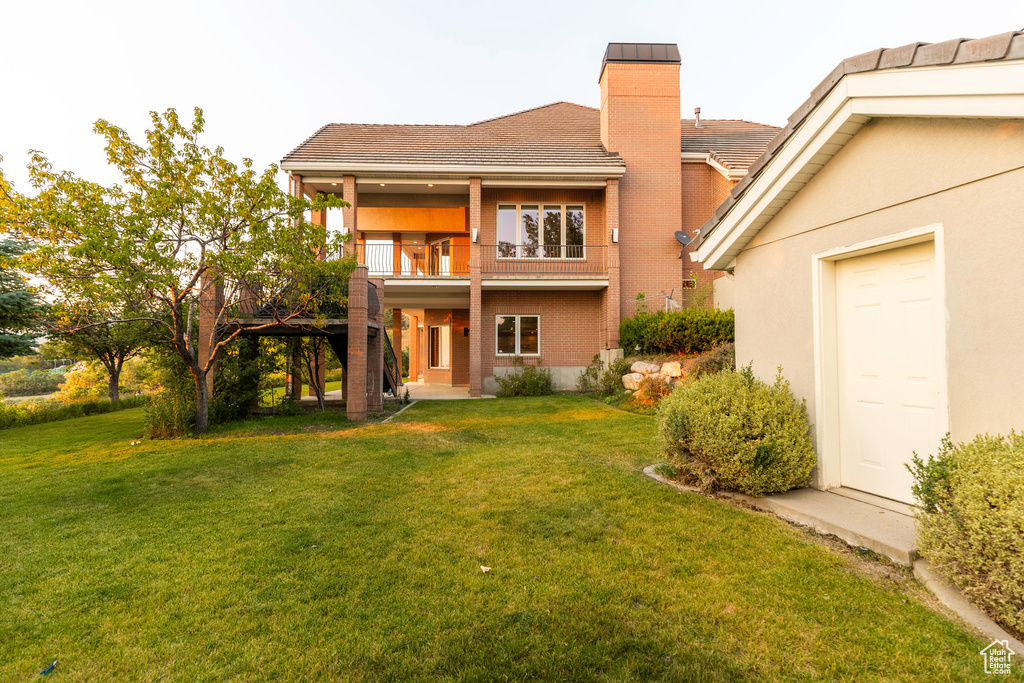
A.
pixel 790 163
pixel 481 170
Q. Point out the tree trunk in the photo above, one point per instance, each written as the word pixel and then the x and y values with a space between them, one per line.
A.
pixel 202 403
pixel 113 385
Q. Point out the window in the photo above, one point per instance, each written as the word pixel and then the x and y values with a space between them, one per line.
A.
pixel 440 345
pixel 517 335
pixel 540 231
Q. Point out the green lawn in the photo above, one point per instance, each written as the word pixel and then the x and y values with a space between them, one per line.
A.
pixel 306 548
pixel 278 392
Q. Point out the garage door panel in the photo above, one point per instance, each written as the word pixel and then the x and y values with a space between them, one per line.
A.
pixel 891 374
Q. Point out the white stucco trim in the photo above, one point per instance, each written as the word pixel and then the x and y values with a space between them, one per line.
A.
pixel 826 344
pixel 986 89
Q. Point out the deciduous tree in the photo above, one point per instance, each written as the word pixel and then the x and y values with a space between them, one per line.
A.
pixel 185 224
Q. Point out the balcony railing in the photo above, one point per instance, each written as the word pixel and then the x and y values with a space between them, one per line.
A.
pixel 549 260
pixel 507 260
pixel 415 260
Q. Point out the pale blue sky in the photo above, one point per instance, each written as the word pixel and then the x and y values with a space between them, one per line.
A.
pixel 269 73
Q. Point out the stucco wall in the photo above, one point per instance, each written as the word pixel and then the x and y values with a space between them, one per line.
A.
pixel 897 175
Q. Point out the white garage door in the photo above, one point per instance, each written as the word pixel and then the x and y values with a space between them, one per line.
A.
pixel 892 384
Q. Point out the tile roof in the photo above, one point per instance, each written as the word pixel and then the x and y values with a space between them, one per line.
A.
pixel 733 143
pixel 558 134
pixel 1002 47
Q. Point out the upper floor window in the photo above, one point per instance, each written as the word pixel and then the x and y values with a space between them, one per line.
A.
pixel 540 230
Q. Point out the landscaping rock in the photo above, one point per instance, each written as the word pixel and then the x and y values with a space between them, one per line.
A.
pixel 645 368
pixel 632 381
pixel 660 377
pixel 672 369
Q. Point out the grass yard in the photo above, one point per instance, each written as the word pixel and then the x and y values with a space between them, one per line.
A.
pixel 274 396
pixel 306 548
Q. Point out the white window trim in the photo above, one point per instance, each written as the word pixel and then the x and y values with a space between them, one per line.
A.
pixel 540 231
pixel 440 341
pixel 518 342
pixel 826 343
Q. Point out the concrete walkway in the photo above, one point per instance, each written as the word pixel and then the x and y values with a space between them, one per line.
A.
pixel 866 523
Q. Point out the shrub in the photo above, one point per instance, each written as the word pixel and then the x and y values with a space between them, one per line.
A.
pixel 335 375
pixel 971 520
pixel 731 430
pixel 526 380
pixel 610 382
pixel 87 380
pixel 30 382
pixel 691 330
pixel 716 360
pixel 36 412
pixel 652 391
pixel 588 378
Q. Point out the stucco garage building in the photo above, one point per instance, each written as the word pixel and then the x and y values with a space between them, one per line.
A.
pixel 875 251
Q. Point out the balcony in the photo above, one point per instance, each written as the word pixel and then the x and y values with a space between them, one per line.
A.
pixel 497 261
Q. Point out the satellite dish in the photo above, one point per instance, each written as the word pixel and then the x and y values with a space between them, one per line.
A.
pixel 683 238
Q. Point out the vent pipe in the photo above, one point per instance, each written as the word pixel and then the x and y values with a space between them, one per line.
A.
pixel 696 115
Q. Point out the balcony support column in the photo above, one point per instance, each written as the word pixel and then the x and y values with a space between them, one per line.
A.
pixel 414 348
pixel 613 295
pixel 355 404
pixel 348 213
pixel 476 378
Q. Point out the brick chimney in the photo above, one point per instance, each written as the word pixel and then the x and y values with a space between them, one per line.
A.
pixel 640 119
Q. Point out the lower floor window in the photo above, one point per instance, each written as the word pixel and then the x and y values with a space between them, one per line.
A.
pixel 518 335
pixel 440 344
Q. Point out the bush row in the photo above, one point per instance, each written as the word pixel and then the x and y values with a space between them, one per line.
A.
pixel 30 382
pixel 35 412
pixel 971 520
pixel 691 330
pixel 525 380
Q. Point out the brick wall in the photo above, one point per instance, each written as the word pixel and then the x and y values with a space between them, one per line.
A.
pixel 640 120
pixel 570 325
pixel 703 189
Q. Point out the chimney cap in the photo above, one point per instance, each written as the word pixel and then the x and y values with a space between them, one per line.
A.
pixel 643 53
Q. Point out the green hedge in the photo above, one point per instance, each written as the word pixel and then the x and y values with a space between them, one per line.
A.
pixel 691 330
pixel 30 382
pixel 35 412
pixel 971 520
pixel 732 431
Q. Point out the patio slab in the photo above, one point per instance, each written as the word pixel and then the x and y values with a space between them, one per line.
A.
pixel 418 391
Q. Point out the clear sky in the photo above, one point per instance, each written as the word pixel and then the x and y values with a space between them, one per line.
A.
pixel 269 73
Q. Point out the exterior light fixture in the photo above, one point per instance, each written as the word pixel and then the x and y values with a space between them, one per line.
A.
pixel 382 184
pixel 335 184
pixel 430 184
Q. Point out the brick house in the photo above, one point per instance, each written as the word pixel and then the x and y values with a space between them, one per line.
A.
pixel 532 234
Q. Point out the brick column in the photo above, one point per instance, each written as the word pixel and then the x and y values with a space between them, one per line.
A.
pixel 396 337
pixel 348 214
pixel 211 303
pixel 355 405
pixel 476 377
pixel 613 295
pixel 375 355
pixel 414 348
